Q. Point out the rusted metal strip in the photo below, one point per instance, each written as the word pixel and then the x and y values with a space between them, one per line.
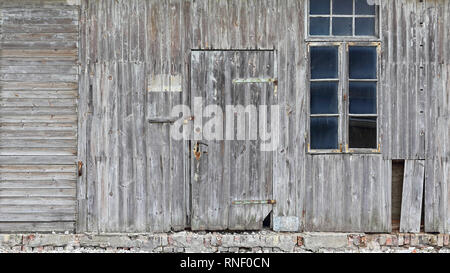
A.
pixel 254 202
pixel 163 119
pixel 255 80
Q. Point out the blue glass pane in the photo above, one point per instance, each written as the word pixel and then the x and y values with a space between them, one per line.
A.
pixel 365 26
pixel 324 97
pixel 319 26
pixel 363 62
pixel 363 132
pixel 363 8
pixel 324 133
pixel 363 97
pixel 342 26
pixel 319 7
pixel 324 62
pixel 343 7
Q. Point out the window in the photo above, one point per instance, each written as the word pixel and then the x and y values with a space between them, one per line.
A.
pixel 343 86
pixel 343 48
pixel 350 18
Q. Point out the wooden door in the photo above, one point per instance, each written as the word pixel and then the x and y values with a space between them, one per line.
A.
pixel 231 180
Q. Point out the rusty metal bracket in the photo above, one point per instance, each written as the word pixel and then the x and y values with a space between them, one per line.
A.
pixel 254 202
pixel 80 168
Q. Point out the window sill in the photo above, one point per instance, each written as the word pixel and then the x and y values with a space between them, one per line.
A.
pixel 337 152
pixel 343 39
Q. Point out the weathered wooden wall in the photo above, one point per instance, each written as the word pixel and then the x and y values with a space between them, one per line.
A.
pixel 160 35
pixel 136 178
pixel 38 116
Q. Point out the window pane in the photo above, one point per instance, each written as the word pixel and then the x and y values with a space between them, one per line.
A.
pixel 319 26
pixel 363 8
pixel 363 132
pixel 324 62
pixel 324 97
pixel 365 26
pixel 342 26
pixel 324 133
pixel 363 97
pixel 319 7
pixel 363 62
pixel 343 7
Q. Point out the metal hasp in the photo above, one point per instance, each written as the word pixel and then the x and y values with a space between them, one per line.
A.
pixel 254 202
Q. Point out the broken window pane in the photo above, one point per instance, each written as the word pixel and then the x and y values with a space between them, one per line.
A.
pixel 363 97
pixel 342 7
pixel 319 7
pixel 365 26
pixel 324 62
pixel 363 62
pixel 319 26
pixel 324 133
pixel 363 8
pixel 363 132
pixel 342 26
pixel 324 97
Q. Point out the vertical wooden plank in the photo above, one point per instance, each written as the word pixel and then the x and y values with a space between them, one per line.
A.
pixel 412 196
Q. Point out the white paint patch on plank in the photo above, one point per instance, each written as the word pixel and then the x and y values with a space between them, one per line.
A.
pixel 165 83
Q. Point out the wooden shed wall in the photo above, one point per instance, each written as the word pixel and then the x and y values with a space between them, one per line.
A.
pixel 136 178
pixel 148 188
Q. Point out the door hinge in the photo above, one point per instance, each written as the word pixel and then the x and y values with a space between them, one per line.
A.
pixel 80 168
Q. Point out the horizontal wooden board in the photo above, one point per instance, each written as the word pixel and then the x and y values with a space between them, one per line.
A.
pixel 17 61
pixel 41 94
pixel 37 135
pixel 41 210
pixel 38 118
pixel 36 200
pixel 38 168
pixel 37 192
pixel 41 69
pixel 63 54
pixel 19 77
pixel 13 111
pixel 37 160
pixel 37 226
pixel 38 20
pixel 36 28
pixel 45 37
pixel 37 102
pixel 20 12
pixel 46 216
pixel 65 143
pixel 35 86
pixel 38 45
pixel 39 182
pixel 37 151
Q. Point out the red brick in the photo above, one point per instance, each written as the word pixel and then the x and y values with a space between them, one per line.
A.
pixel 388 240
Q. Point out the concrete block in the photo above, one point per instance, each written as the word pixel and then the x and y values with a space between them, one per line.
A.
pixel 286 223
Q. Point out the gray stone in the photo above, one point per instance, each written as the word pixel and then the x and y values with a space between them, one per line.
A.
pixel 286 223
pixel 316 241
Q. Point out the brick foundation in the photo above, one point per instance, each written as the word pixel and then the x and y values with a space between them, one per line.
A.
pixel 258 242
